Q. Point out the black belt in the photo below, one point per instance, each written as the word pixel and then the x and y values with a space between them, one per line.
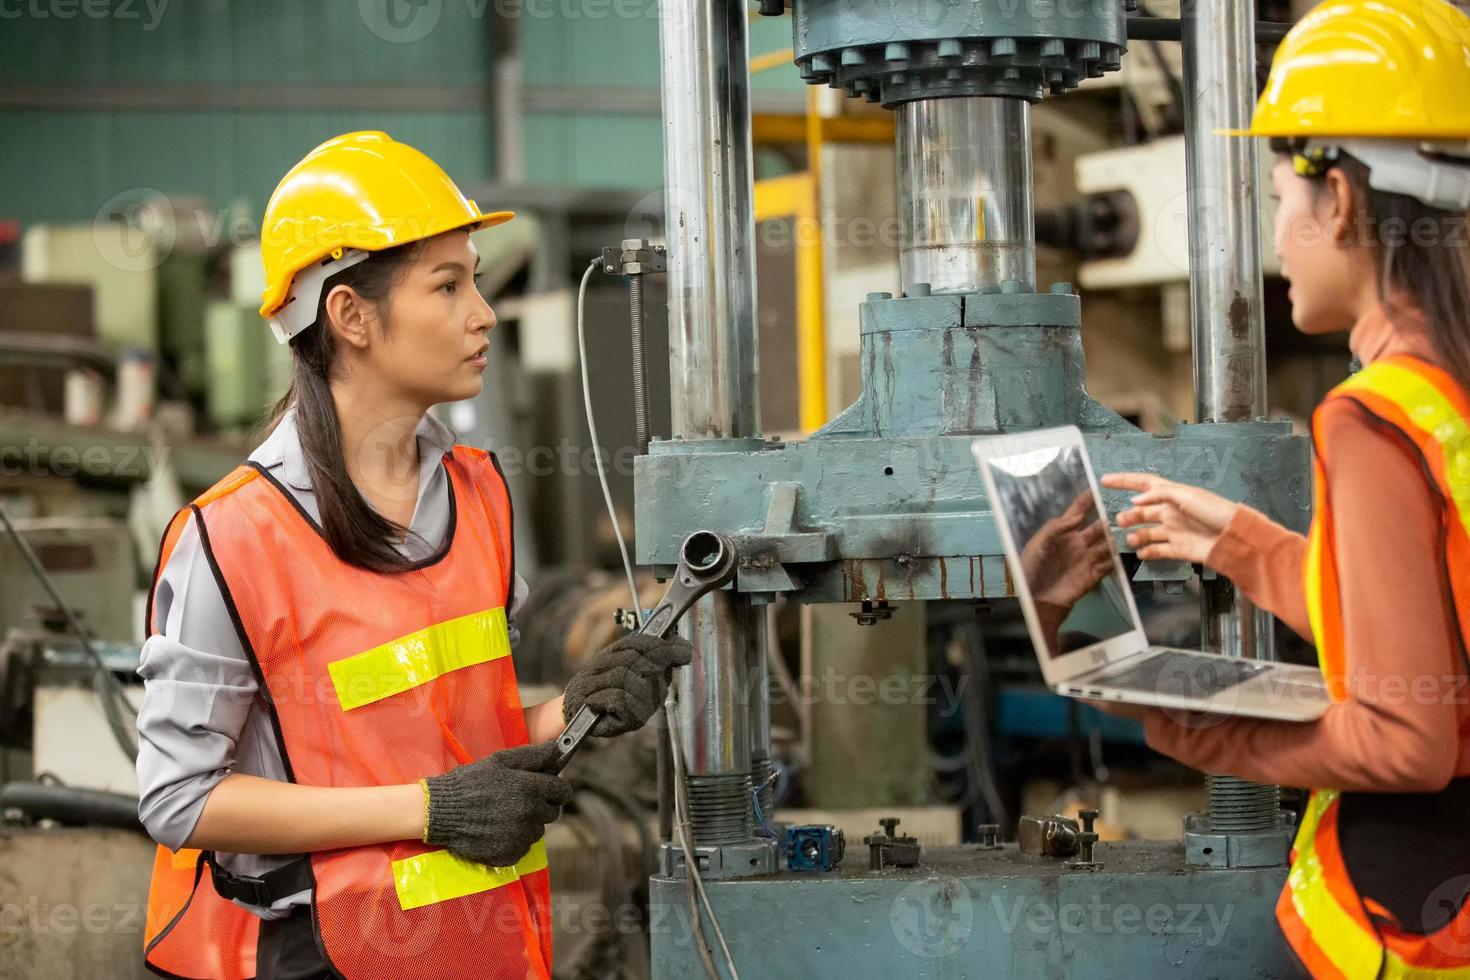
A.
pixel 264 890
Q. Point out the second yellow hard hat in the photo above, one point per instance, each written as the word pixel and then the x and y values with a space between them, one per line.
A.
pixel 1370 69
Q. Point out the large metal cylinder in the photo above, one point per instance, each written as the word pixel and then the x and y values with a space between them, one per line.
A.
pixel 710 226
pixel 715 731
pixel 965 200
pixel 1224 213
pixel 1228 325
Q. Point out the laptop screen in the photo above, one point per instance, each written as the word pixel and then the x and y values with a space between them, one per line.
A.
pixel 1061 534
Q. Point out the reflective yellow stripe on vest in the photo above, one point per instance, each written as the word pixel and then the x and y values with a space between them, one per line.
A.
pixel 419 657
pixel 1351 950
pixel 1428 409
pixel 438 876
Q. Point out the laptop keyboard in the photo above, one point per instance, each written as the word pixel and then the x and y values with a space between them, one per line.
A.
pixel 1182 674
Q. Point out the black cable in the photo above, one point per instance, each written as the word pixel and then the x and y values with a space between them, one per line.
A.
pixel 1147 28
pixel 109 689
pixel 72 805
pixel 976 706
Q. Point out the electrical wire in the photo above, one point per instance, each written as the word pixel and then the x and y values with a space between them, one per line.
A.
pixel 691 864
pixel 612 513
pixel 692 877
pixel 109 690
pixel 755 801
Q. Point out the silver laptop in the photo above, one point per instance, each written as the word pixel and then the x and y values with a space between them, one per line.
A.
pixel 1078 604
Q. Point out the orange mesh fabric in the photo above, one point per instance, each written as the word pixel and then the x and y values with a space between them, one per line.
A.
pixel 191 931
pixel 1321 911
pixel 302 610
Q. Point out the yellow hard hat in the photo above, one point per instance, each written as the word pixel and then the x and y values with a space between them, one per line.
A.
pixel 360 191
pixel 1371 69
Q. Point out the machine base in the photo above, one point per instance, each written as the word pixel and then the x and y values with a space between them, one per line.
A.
pixel 968 912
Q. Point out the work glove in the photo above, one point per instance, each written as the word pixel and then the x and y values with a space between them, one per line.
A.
pixel 493 810
pixel 626 681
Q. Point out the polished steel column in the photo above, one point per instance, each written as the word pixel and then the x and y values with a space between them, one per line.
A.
pixel 1228 325
pixel 710 226
pixel 709 204
pixel 1224 213
pixel 965 197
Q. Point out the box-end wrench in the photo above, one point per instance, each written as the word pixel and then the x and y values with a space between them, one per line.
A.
pixel 706 563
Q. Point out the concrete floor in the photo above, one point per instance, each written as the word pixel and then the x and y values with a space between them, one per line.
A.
pixel 73 903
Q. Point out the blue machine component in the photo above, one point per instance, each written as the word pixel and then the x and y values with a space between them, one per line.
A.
pixel 885 503
pixel 814 847
pixel 970 912
pixel 870 49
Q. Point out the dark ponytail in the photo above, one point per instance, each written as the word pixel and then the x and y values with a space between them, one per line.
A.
pixel 357 533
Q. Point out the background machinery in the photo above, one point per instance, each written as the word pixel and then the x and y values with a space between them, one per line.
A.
pixel 882 505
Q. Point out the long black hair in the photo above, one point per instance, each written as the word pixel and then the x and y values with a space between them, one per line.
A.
pixel 357 533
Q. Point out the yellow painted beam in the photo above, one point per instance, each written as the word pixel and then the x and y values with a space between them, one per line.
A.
pixel 777 127
pixel 811 279
pixel 782 197
pixel 769 60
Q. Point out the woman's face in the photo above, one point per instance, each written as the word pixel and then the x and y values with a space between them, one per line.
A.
pixel 1321 268
pixel 433 347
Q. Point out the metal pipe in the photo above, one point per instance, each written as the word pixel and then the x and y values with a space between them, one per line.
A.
pixel 965 197
pixel 640 365
pixel 1228 325
pixel 715 736
pixel 1224 215
pixel 758 707
pixel 709 203
pixel 710 225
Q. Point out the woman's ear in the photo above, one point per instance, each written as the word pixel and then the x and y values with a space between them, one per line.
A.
pixel 1340 220
pixel 349 316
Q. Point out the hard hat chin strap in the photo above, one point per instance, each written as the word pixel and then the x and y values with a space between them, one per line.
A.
pixel 1402 167
pixel 299 310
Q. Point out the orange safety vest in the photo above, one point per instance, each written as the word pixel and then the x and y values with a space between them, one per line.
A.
pixel 370 679
pixel 1353 850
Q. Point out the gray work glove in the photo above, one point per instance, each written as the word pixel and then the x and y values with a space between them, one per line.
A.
pixel 626 681
pixel 493 810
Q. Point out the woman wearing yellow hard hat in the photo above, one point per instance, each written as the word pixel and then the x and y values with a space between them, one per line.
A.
pixel 1368 109
pixel 334 757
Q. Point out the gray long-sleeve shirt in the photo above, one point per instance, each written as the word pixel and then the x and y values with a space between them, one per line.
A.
pixel 203 716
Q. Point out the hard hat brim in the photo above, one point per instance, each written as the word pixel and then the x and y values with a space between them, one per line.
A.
pixel 278 296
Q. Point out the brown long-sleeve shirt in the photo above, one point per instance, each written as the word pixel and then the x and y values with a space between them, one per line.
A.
pixel 1406 724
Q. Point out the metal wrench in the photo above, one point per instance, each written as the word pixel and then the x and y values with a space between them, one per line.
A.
pixel 706 563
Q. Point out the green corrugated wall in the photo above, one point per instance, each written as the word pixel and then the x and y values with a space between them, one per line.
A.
pixel 100 97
